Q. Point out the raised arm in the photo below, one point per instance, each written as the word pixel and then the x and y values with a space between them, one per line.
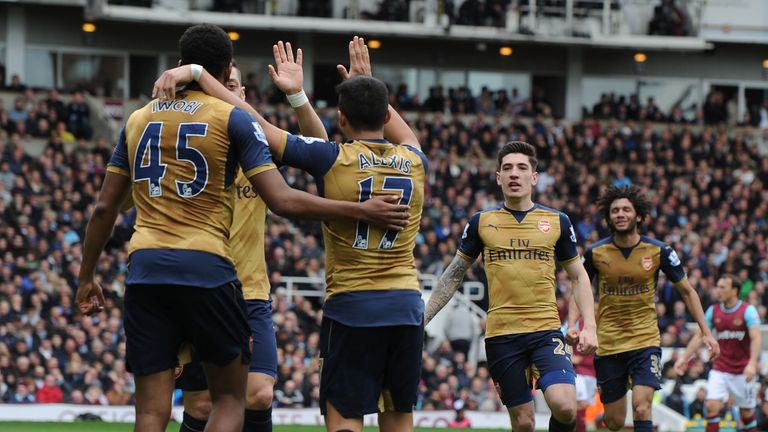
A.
pixel 396 130
pixel 582 293
pixel 447 285
pixel 288 76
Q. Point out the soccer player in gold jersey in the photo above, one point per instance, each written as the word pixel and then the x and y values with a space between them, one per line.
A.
pixel 372 335
pixel 521 242
pixel 626 266
pixel 178 159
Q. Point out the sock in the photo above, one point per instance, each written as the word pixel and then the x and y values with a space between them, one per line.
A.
pixel 750 424
pixel 713 424
pixel 191 424
pixel 643 425
pixel 556 426
pixel 581 424
pixel 258 421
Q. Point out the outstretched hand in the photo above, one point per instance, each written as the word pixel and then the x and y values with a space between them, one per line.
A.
pixel 359 60
pixel 287 73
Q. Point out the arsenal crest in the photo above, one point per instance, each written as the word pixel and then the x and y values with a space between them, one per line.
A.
pixel 647 263
pixel 544 226
pixel 178 371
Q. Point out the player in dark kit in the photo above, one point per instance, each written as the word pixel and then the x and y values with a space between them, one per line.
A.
pixel 626 266
pixel 737 327
pixel 521 242
pixel 178 159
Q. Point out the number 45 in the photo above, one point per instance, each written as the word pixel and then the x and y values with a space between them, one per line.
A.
pixel 365 189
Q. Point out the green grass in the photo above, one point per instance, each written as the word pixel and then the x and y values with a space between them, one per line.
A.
pixel 172 427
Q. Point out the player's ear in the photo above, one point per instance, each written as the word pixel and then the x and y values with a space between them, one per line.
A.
pixel 342 118
pixel 387 117
pixel 535 178
pixel 242 92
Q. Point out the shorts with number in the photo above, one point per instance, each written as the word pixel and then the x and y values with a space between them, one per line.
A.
pixel 159 318
pixel 514 360
pixel 586 388
pixel 721 384
pixel 364 370
pixel 263 357
pixel 617 372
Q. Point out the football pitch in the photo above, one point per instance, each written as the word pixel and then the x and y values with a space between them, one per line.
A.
pixel 172 427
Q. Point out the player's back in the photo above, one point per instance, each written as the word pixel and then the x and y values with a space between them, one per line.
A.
pixel 181 169
pixel 361 257
pixel 179 157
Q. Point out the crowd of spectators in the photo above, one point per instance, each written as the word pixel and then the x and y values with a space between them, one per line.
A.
pixel 707 188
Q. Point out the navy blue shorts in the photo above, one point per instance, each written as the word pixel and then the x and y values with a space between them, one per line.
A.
pixel 158 318
pixel 514 360
pixel 616 373
pixel 364 370
pixel 263 358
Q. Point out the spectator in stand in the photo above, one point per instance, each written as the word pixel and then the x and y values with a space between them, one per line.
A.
pixel 16 84
pixel 50 392
pixel 79 117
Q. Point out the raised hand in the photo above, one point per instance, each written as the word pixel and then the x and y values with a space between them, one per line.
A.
pixel 359 60
pixel 287 74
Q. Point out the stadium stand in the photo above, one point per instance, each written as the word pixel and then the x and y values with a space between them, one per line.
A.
pixel 707 187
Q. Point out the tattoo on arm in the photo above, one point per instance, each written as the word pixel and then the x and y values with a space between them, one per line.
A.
pixel 447 285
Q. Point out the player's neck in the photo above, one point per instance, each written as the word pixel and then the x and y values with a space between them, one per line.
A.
pixel 731 303
pixel 519 204
pixel 365 135
pixel 626 240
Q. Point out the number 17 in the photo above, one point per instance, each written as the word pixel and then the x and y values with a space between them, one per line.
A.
pixel 365 188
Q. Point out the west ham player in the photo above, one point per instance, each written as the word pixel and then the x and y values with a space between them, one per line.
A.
pixel 521 242
pixel 737 327
pixel 626 266
pixel 372 333
pixel 179 161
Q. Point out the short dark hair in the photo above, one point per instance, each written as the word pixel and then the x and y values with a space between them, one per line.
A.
pixel 521 147
pixel 735 282
pixel 364 101
pixel 207 45
pixel 633 193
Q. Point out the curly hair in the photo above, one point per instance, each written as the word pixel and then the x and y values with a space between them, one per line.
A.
pixel 207 45
pixel 633 193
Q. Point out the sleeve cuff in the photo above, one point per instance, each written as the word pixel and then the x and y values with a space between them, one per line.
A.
pixel 259 169
pixel 281 147
pixel 680 282
pixel 118 170
pixel 465 256
pixel 569 261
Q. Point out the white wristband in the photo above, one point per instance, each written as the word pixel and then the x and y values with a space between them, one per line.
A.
pixel 297 99
pixel 196 70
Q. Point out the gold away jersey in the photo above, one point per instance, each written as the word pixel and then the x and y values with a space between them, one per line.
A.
pixel 182 157
pixel 520 250
pixel 368 269
pixel 246 239
pixel 626 283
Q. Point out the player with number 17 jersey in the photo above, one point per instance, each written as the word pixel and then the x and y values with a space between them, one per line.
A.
pixel 371 277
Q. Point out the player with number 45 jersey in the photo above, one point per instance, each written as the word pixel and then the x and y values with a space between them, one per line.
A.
pixel 178 155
